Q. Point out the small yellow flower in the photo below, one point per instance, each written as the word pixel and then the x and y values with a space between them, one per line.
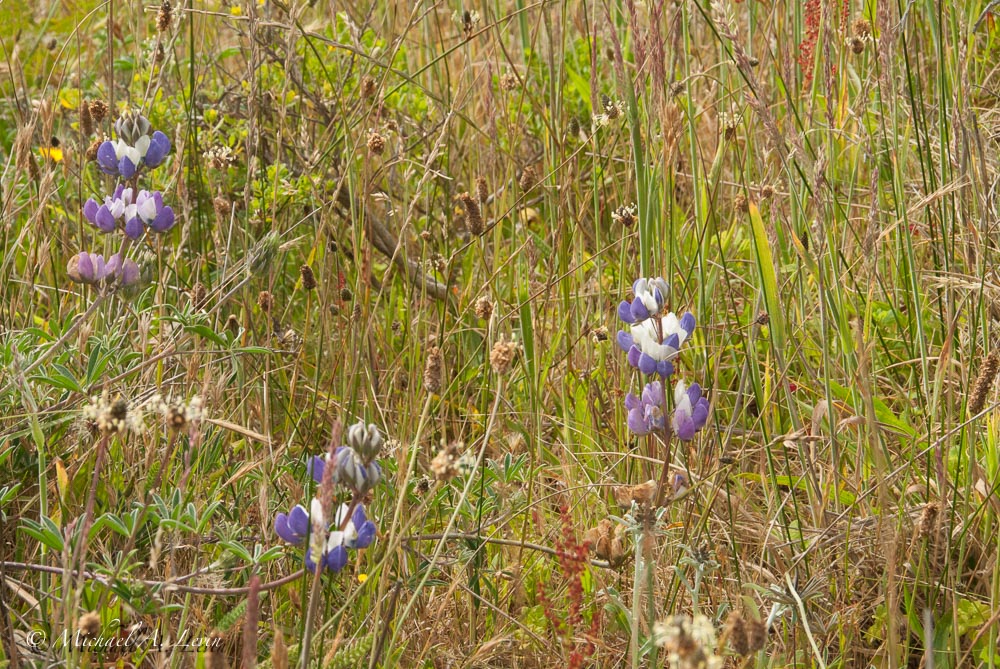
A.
pixel 236 10
pixel 54 153
pixel 362 578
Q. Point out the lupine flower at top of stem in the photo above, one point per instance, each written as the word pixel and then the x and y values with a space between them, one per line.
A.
pixel 135 210
pixel 332 546
pixel 690 410
pixel 650 299
pixel 646 412
pixel 653 343
pixel 350 470
pixel 134 148
pixel 91 269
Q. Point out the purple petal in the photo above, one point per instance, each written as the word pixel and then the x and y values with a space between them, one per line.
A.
pixel 673 341
pixel 634 354
pixel 694 393
pixel 688 322
pixel 699 414
pixel 85 268
pixel 625 312
pixel 684 427
pixel 315 467
pixel 103 219
pixel 130 273
pixel 647 364
pixel 126 168
pixel 164 220
pixel 90 208
pixel 113 265
pixel 336 559
pixel 118 192
pixel 358 517
pixel 636 422
pixel 133 228
pixel 285 532
pixel 107 160
pixel 366 535
pixel 159 147
pixel 639 310
pixel 624 340
pixel 632 402
pixel 310 565
pixel 665 368
pixel 298 520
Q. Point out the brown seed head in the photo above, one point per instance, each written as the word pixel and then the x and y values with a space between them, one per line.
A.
pixel 376 142
pixel 756 635
pixel 265 301
pixel 502 356
pixel 433 369
pixel 91 154
pixel 528 179
pixel 482 190
pixel 984 382
pixel 473 216
pixel 86 120
pixel 89 624
pixel 483 308
pixel 165 16
pixel 98 110
pixel 308 277
pixel 369 87
pixel 736 630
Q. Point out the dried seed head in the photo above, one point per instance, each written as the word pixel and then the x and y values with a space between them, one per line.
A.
pixel 220 156
pixel 509 81
pixel 728 123
pixel 766 192
pixel 86 120
pixel 91 154
pixel 265 301
pixel 528 179
pixel 369 87
pixel 756 635
pixel 222 206
pixel 308 277
pixel 433 369
pixel 928 517
pixel 197 294
pixel 482 190
pixel 741 204
pixel 215 657
pixel 98 110
pixel 451 461
pixel 376 142
pixel 233 324
pixel 346 295
pixel 856 44
pixel 165 16
pixel 624 215
pixel 736 630
pixel 600 333
pixel 862 28
pixel 502 356
pixel 89 625
pixel 473 216
pixel 984 382
pixel 483 308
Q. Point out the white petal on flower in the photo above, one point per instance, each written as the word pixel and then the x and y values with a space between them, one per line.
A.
pixel 121 149
pixel 316 512
pixel 129 212
pixel 680 394
pixel 142 145
pixel 147 210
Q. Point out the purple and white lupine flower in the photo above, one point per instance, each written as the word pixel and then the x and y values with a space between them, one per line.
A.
pixel 91 269
pixel 350 470
pixel 134 149
pixel 690 410
pixel 359 532
pixel 366 440
pixel 653 343
pixel 136 210
pixel 650 299
pixel 294 526
pixel 646 412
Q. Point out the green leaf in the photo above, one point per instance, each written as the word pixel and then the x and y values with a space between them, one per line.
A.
pixel 765 263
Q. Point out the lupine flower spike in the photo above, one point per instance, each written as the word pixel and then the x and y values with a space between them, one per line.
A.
pixel 134 210
pixel 653 343
pixel 134 149
pixel 690 410
pixel 646 412
pixel 92 269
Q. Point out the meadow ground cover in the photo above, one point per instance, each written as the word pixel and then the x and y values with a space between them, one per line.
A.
pixel 504 334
